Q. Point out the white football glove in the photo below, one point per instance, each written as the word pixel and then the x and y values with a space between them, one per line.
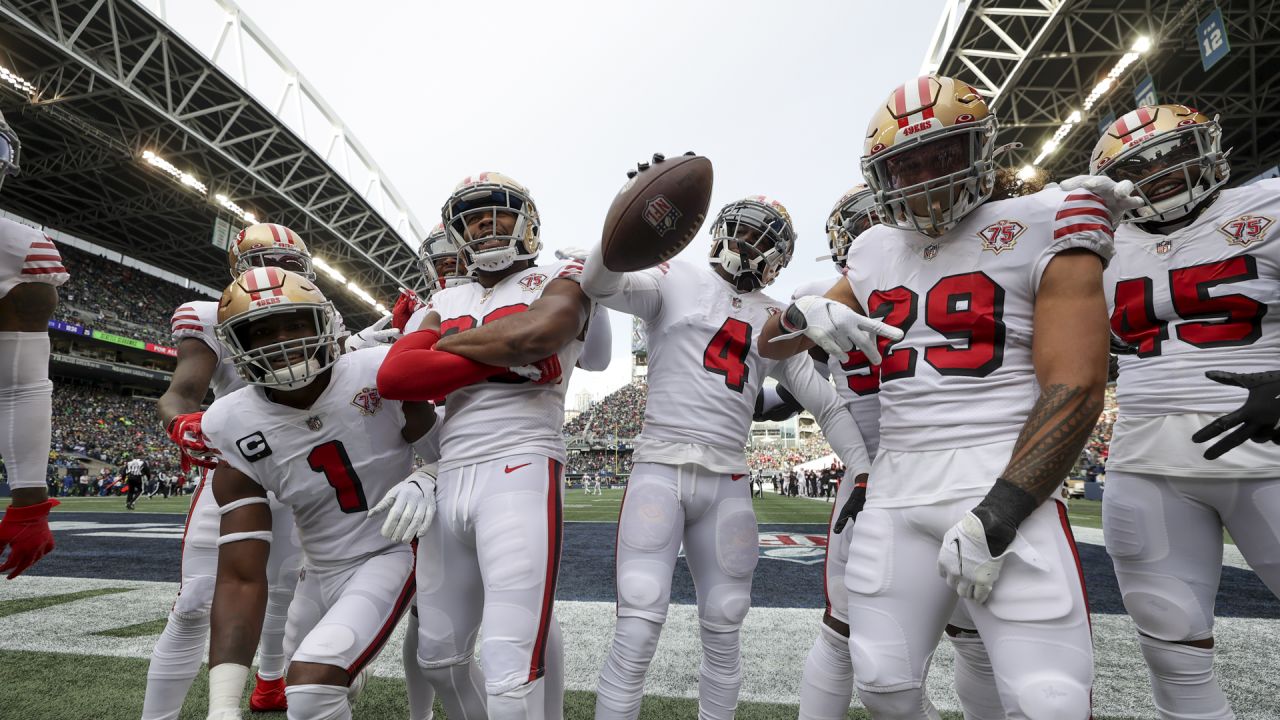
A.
pixel 835 328
pixel 572 253
pixel 413 506
pixel 965 561
pixel 373 335
pixel 1117 196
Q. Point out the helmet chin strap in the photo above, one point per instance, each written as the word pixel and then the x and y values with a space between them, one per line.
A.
pixel 495 260
pixel 302 374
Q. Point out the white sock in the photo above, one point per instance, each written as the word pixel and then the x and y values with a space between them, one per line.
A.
pixel 975 680
pixel 553 678
pixel 421 694
pixel 26 407
pixel 271 657
pixel 826 687
pixel 1182 681
pixel 461 689
pixel 174 663
pixel 720 675
pixel 318 702
pixel 621 685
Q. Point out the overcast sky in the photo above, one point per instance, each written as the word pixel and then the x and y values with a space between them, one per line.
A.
pixel 566 96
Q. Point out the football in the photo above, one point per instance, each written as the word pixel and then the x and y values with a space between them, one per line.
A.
pixel 657 212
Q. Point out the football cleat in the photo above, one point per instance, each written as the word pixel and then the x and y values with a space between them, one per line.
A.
pixel 268 695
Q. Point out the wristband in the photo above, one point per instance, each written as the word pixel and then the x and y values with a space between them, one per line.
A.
pixel 1002 511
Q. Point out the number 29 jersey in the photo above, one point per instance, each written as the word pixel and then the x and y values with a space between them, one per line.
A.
pixel 330 463
pixel 962 375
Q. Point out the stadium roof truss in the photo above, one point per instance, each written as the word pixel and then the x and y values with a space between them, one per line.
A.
pixel 1038 61
pixel 109 80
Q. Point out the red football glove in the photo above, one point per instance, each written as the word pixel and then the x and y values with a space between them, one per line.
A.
pixel 546 370
pixel 406 305
pixel 185 432
pixel 25 531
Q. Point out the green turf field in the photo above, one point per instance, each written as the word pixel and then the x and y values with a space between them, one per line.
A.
pixel 49 686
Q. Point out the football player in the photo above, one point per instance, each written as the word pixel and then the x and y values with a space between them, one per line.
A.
pixel 502 454
pixel 30 273
pixel 826 685
pixel 685 486
pixel 1195 293
pixel 985 405
pixel 204 364
pixel 311 429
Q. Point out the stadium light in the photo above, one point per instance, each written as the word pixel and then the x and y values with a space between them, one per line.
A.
pixel 226 202
pixel 329 270
pixel 15 80
pixel 1026 173
pixel 183 177
pixel 1140 46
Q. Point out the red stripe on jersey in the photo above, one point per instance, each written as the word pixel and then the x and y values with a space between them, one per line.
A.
pixel 43 270
pixel 186 317
pixel 1073 212
pixel 197 328
pixel 1084 196
pixel 922 87
pixel 43 245
pixel 1082 228
pixel 1075 553
pixel 537 663
pixel 44 258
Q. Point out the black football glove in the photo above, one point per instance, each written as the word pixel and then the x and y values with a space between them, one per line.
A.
pixel 1258 417
pixel 775 405
pixel 853 505
pixel 1120 347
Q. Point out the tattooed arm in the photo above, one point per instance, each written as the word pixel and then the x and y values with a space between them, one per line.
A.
pixel 1069 350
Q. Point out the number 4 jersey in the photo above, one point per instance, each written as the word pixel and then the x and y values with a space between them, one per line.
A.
pixel 330 463
pixel 1206 297
pixel 962 375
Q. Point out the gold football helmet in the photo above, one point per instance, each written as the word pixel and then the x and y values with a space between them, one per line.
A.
pixel 10 149
pixel 853 215
pixel 438 260
pixel 929 156
pixel 259 357
pixel 1172 154
pixel 752 239
pixel 493 221
pixel 269 245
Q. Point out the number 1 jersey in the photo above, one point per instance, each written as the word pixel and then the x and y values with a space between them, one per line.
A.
pixel 330 463
pixel 962 375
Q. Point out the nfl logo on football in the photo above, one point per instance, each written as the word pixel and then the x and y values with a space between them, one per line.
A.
pixel 661 214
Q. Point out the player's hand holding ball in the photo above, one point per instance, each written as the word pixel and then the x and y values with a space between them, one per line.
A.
pixel 657 212
pixel 412 505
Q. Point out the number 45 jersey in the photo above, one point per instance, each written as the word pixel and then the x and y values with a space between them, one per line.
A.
pixel 962 374
pixel 330 463
pixel 1206 297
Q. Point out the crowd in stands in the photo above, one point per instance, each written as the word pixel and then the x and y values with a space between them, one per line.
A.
pixel 99 424
pixel 109 296
pixel 593 461
pixel 620 413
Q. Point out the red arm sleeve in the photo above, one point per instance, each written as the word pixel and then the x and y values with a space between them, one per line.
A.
pixel 414 371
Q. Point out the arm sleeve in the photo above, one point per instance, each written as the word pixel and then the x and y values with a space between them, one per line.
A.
pixel 818 397
pixel 635 293
pixel 412 370
pixel 597 349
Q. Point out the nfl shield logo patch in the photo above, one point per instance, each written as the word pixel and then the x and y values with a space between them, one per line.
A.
pixel 930 252
pixel 661 214
pixel 1001 236
pixel 368 401
pixel 1163 247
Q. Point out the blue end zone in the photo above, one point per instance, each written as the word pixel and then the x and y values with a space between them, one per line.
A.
pixel 138 546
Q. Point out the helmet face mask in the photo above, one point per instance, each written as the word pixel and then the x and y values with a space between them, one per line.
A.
pixel 10 150
pixel 439 262
pixel 291 260
pixel 752 241
pixel 1173 171
pixel 853 215
pixel 279 328
pixel 929 155
pixel 493 221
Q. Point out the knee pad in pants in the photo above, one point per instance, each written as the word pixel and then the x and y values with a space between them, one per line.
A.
pixel 318 702
pixel 1183 684
pixel 909 704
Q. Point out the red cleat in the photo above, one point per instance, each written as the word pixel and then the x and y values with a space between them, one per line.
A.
pixel 268 696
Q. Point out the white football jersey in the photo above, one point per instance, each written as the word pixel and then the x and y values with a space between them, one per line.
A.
pixel 1206 297
pixel 28 255
pixel 704 369
pixel 329 463
pixel 508 414
pixel 859 396
pixel 196 320
pixel 962 376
